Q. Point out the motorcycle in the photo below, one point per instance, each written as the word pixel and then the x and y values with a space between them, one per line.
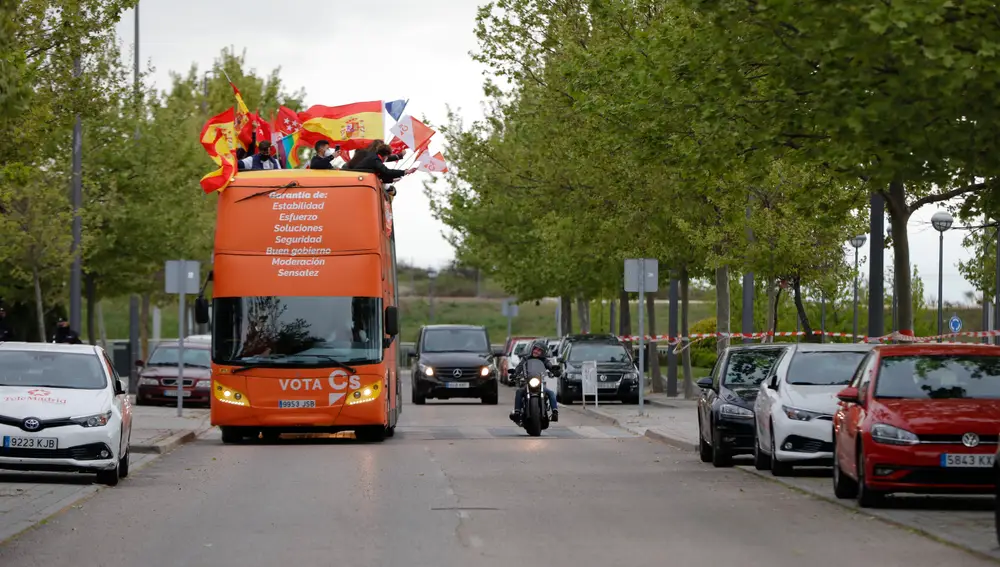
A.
pixel 537 411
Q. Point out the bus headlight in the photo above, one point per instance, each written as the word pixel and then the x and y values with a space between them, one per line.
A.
pixel 230 396
pixel 364 395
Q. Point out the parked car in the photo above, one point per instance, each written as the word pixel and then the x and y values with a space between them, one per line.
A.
pixel 796 402
pixel 725 407
pixel 617 376
pixel 158 375
pixel 454 361
pixel 63 408
pixel 918 419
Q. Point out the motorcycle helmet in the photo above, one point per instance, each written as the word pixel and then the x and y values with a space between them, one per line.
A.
pixel 539 344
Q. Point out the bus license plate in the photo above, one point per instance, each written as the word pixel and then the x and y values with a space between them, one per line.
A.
pixel 952 460
pixel 458 384
pixel 50 443
pixel 297 404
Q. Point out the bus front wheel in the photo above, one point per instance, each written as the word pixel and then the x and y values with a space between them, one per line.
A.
pixel 231 435
pixel 372 434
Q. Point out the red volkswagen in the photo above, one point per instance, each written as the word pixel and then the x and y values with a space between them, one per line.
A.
pixel 920 419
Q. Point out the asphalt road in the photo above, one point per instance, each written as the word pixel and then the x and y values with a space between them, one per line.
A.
pixel 461 486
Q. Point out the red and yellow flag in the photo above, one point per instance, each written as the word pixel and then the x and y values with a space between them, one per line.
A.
pixel 352 126
pixel 242 119
pixel 218 137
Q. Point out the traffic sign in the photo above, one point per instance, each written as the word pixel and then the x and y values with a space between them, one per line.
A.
pixel 955 324
pixel 641 275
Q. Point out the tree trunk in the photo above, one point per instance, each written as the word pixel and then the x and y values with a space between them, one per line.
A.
pixel 772 308
pixel 583 312
pixel 654 353
pixel 801 309
pixel 566 314
pixel 611 315
pixel 101 330
pixel 624 315
pixel 91 285
pixel 899 217
pixel 39 304
pixel 688 388
pixel 144 327
pixel 722 307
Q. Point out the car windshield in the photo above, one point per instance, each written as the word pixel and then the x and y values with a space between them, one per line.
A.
pixel 295 331
pixel 747 369
pixel 77 371
pixel 167 356
pixel 823 368
pixel 599 352
pixel 455 340
pixel 939 377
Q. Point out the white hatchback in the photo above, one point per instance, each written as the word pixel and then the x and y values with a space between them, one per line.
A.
pixel 63 408
pixel 796 402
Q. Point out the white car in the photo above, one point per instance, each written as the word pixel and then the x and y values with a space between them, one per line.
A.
pixel 63 408
pixel 796 402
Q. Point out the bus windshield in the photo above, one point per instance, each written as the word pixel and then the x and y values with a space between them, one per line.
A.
pixel 298 332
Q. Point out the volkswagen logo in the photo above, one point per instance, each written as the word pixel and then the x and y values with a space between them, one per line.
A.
pixel 970 440
pixel 31 424
pixel 457 373
pixel 604 377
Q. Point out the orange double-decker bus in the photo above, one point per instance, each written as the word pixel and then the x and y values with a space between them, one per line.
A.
pixel 304 311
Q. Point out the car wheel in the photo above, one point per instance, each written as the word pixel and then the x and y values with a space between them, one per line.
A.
pixel 843 486
pixel 778 468
pixel 867 498
pixel 124 462
pixel 418 398
pixel 704 449
pixel 996 504
pixel 761 461
pixel 110 477
pixel 720 456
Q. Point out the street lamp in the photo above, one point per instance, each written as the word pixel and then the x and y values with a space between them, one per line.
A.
pixel 856 242
pixel 431 276
pixel 941 221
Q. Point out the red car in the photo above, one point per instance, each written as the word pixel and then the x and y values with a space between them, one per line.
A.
pixel 919 419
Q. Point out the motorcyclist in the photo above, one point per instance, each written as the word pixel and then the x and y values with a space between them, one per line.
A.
pixel 538 351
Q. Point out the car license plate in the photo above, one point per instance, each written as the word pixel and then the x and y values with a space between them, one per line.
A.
pixel 607 385
pixel 952 460
pixel 297 404
pixel 30 442
pixel 173 393
pixel 458 385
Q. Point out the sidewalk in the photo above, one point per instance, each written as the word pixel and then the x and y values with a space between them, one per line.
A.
pixel 964 522
pixel 27 499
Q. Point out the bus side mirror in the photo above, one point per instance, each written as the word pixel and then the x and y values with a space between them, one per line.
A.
pixel 392 321
pixel 201 310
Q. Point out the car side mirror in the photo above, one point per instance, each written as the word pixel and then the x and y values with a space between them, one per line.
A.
pixel 392 320
pixel 498 352
pixel 410 355
pixel 706 383
pixel 556 371
pixel 140 364
pixel 119 387
pixel 849 395
pixel 510 371
pixel 772 385
pixel 201 310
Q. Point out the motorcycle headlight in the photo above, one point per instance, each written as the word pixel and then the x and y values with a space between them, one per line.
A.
pixel 534 382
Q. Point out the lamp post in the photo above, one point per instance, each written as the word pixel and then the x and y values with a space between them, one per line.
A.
pixel 941 221
pixel 431 276
pixel 856 242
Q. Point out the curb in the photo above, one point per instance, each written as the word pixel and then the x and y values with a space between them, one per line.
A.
pixel 170 443
pixel 672 441
pixel 873 513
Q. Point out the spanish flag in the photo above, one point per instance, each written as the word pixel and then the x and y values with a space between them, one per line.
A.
pixel 218 137
pixel 352 126
pixel 241 119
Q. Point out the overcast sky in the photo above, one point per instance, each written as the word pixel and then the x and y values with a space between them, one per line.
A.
pixel 341 52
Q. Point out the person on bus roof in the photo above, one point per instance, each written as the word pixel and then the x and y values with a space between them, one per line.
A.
pixel 260 160
pixel 360 155
pixel 373 162
pixel 538 352
pixel 324 156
